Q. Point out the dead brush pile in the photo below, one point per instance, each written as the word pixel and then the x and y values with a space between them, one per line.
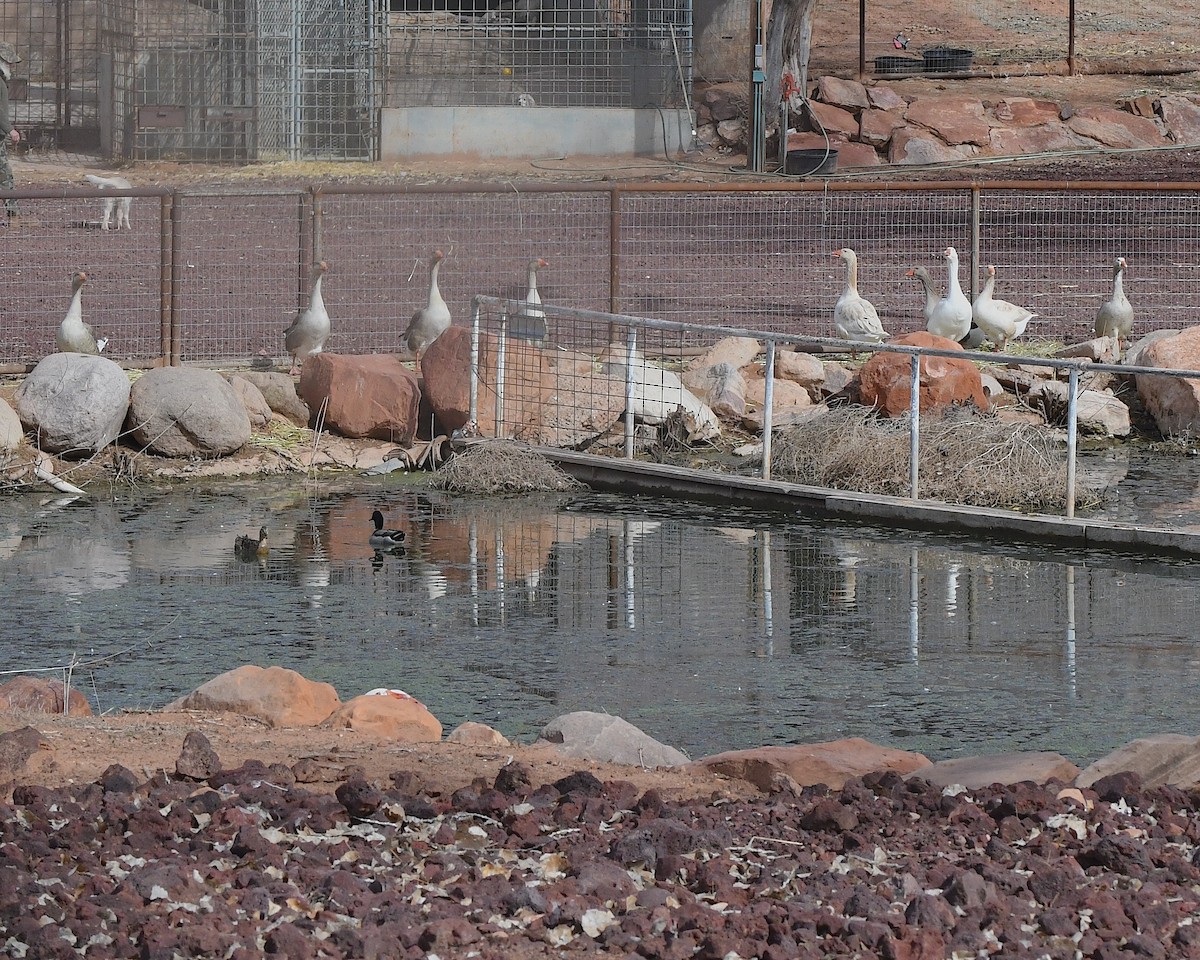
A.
pixel 502 467
pixel 964 459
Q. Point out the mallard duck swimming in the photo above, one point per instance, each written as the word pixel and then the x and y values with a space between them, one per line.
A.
pixel 248 548
pixel 382 539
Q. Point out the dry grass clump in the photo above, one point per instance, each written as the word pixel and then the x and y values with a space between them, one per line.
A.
pixel 499 467
pixel 964 459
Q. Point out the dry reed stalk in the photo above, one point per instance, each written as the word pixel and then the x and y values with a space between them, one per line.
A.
pixel 501 467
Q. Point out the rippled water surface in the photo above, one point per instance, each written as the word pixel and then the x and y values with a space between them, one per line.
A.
pixel 709 628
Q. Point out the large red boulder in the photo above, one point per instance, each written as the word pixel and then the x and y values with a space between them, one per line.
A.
pixel 276 696
pixel 885 381
pixel 1172 401
pixel 368 396
pixel 35 695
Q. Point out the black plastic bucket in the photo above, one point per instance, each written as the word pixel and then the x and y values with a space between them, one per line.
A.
pixel 804 163
pixel 948 60
pixel 898 66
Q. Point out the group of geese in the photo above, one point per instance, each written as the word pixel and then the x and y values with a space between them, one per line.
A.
pixel 381 538
pixel 955 317
pixel 310 329
pixel 308 332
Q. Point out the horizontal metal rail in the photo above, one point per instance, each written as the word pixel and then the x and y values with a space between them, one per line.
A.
pixel 631 324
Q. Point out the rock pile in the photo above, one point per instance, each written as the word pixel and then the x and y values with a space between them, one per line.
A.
pixel 881 122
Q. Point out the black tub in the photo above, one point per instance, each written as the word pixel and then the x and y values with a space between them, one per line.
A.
pixel 948 60
pixel 803 163
pixel 898 66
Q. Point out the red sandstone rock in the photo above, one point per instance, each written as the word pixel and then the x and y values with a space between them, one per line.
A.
pixel 278 697
pixel 857 155
pixel 876 126
pixel 1116 128
pixel 1026 112
pixel 1046 138
pixel 955 119
pixel 831 763
pixel 1182 117
pixel 885 380
pixel 847 94
pixel 387 717
pixel 364 396
pixel 834 120
pixel 981 771
pixel 1173 402
pixel 35 695
pixel 913 145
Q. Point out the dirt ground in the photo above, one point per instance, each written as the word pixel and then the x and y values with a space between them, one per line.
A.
pixel 78 749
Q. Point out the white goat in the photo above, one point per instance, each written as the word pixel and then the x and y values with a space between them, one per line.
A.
pixel 120 204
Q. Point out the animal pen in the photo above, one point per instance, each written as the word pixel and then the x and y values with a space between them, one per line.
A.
pixel 246 80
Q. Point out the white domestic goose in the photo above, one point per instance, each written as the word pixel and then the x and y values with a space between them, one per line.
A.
pixel 999 320
pixel 433 319
pixel 309 331
pixel 1115 316
pixel 950 317
pixel 854 316
pixel 974 338
pixel 530 322
pixel 75 336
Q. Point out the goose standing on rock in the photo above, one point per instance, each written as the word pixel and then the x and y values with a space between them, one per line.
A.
pixel 530 322
pixel 433 319
pixel 999 320
pixel 382 539
pixel 75 336
pixel 854 316
pixel 950 317
pixel 309 331
pixel 1115 316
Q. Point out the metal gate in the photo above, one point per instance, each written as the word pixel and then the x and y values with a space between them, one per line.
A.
pixel 319 64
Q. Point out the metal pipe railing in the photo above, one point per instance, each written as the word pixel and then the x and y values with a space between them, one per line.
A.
pixel 632 324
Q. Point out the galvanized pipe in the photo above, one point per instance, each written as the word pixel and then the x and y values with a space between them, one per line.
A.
pixel 976 203
pixel 914 428
pixel 473 405
pixel 501 350
pixel 768 405
pixel 630 353
pixel 1072 430
pixel 175 354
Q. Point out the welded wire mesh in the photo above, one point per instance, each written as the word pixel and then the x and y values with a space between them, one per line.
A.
pixel 379 247
pixel 560 53
pixel 241 272
pixel 122 298
pixel 902 38
pixel 759 259
pixel 53 93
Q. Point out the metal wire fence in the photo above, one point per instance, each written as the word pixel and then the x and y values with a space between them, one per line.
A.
pixel 217 276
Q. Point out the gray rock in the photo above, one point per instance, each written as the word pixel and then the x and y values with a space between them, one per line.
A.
pixel 599 736
pixel 11 431
pixel 257 408
pixel 74 402
pixel 1097 411
pixel 279 390
pixel 1165 758
pixel 186 412
pixel 976 772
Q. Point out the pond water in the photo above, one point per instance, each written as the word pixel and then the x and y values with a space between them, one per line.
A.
pixel 709 628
